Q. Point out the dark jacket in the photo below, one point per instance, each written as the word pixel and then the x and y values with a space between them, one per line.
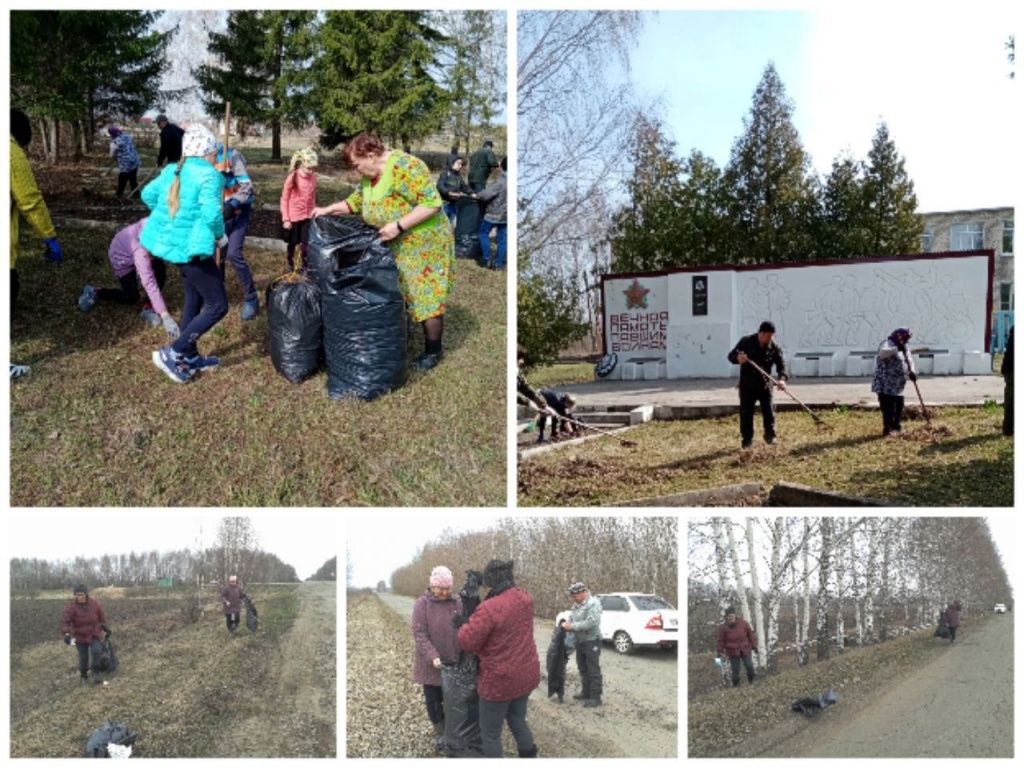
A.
pixel 555 400
pixel 231 599
pixel 1007 367
pixel 500 632
pixel 170 144
pixel 953 615
pixel 451 181
pixel 737 640
pixel 434 635
pixel 525 393
pixel 83 622
pixel 481 163
pixel 765 357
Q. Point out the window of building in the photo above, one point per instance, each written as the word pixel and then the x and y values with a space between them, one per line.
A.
pixel 966 237
pixel 1007 238
pixel 1006 297
pixel 926 240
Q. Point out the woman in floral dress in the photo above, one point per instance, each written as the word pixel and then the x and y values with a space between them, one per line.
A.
pixel 397 196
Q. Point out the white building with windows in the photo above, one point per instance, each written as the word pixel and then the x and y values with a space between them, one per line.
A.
pixel 973 230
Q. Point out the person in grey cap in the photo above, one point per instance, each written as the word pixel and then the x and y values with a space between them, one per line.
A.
pixel 170 141
pixel 585 623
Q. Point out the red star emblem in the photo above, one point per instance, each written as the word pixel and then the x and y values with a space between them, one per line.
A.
pixel 636 297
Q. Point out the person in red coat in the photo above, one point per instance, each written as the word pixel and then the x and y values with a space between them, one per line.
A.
pixel 737 640
pixel 82 621
pixel 500 633
pixel 953 619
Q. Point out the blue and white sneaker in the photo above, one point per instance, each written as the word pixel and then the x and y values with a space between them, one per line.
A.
pixel 173 364
pixel 202 363
pixel 88 298
pixel 150 317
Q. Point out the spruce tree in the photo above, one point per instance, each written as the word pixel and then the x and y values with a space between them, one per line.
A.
pixel 841 230
pixel 375 74
pixel 890 204
pixel 770 188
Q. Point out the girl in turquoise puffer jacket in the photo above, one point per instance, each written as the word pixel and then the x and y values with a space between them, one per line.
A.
pixel 185 227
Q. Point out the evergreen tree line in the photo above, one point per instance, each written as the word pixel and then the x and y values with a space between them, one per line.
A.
pixel 607 554
pixel 404 75
pixel 765 205
pixel 820 584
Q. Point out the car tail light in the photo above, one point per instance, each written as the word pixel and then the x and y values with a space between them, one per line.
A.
pixel 655 623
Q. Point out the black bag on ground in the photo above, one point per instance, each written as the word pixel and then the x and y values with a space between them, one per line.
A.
pixel 467 230
pixel 943 629
pixel 252 621
pixel 295 323
pixel 111 732
pixel 558 657
pixel 364 316
pixel 108 659
pixel 461 708
pixel 812 705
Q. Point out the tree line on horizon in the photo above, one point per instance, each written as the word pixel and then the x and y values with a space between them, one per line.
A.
pixel 405 75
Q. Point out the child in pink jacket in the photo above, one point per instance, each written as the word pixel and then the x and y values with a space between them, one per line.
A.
pixel 132 263
pixel 298 198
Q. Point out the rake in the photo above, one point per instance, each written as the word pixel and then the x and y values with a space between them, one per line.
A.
pixel 606 432
pixel 817 419
pixel 927 418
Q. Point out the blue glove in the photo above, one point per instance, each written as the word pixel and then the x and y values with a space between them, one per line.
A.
pixel 53 251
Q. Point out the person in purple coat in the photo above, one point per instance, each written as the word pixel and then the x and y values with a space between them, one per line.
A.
pixel 435 643
pixel 231 598
pixel 736 639
pixel 953 619
pixel 132 263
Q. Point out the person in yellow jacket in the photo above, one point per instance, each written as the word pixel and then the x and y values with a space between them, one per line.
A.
pixel 27 201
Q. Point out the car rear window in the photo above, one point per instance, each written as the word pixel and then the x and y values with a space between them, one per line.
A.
pixel 651 603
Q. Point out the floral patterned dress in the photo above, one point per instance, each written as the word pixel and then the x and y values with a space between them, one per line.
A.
pixel 425 253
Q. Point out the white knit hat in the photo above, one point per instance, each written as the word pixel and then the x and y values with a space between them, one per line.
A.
pixel 198 141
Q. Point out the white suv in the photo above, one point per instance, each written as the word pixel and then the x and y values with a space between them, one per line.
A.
pixel 1000 608
pixel 631 619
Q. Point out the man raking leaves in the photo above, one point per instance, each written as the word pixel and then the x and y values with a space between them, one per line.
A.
pixel 756 354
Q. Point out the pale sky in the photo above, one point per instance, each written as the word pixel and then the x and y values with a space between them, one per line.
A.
pixel 304 540
pixel 939 79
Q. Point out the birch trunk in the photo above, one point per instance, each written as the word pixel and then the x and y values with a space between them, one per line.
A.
pixel 824 573
pixel 724 598
pixel 755 594
pixel 870 582
pixel 775 595
pixel 741 591
pixel 805 624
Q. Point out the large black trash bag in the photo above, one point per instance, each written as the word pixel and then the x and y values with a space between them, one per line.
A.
pixel 363 310
pixel 458 686
pixel 296 326
pixel 252 621
pixel 467 231
pixel 943 629
pixel 108 659
pixel 558 656
pixel 111 732
pixel 812 705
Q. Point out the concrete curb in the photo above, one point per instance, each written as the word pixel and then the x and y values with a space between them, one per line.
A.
pixel 794 495
pixel 702 498
pixel 256 243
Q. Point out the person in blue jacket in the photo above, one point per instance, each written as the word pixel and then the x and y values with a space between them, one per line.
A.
pixel 186 227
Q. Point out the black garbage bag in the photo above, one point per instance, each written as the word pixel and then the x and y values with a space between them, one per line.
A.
pixel 252 621
pixel 467 231
pixel 111 732
pixel 461 708
pixel 943 629
pixel 108 659
pixel 558 657
pixel 364 316
pixel 812 705
pixel 296 327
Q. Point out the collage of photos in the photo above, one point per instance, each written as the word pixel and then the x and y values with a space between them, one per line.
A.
pixel 265 274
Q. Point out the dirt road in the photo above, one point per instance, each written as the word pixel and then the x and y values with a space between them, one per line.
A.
pixel 640 715
pixel 958 705
pixel 302 683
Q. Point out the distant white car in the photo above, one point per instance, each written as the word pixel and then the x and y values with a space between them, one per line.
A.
pixel 1000 608
pixel 631 619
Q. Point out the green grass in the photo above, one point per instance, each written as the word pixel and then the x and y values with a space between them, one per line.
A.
pixel 963 460
pixel 560 374
pixel 95 424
